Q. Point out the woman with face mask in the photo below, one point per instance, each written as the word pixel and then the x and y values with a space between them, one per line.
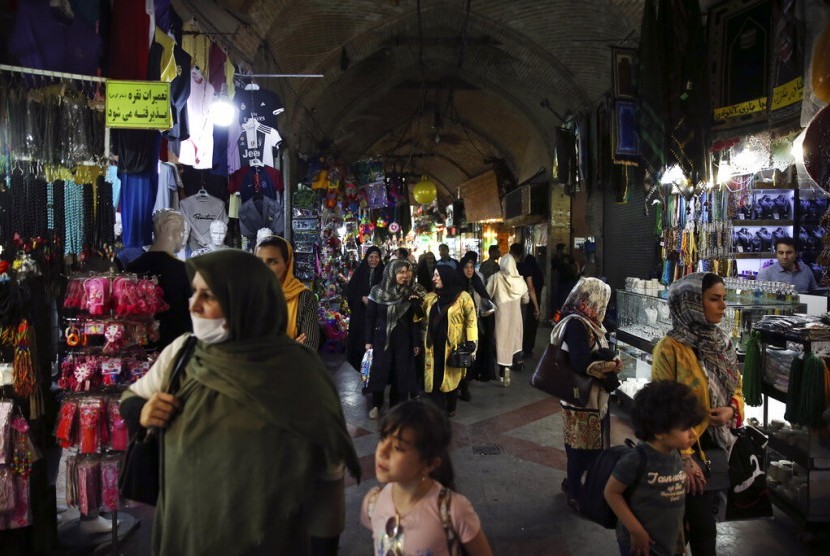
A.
pixel 251 402
pixel 366 275
pixel 393 335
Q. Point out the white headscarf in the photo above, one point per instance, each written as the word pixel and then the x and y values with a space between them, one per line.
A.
pixel 506 284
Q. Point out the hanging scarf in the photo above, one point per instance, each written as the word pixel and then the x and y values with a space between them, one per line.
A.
pixel 712 345
pixel 588 300
pixel 395 296
pixel 506 284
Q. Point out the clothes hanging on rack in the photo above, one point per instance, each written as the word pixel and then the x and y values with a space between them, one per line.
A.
pixel 261 212
pixel 262 105
pixel 167 195
pixel 199 211
pixel 138 194
pixel 248 181
pixel 197 150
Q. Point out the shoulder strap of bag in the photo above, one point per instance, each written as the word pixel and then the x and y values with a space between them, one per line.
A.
pixel 181 362
pixel 373 498
pixel 444 501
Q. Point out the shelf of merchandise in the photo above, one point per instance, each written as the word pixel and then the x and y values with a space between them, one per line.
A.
pixel 818 483
pixel 761 223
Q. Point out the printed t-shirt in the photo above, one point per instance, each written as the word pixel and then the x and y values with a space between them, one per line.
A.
pixel 421 528
pixel 259 104
pixel 199 212
pixel 658 498
pixel 256 142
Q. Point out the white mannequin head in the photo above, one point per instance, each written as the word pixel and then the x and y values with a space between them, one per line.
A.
pixel 218 230
pixel 169 230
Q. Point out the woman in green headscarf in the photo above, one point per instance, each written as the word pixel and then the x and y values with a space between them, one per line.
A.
pixel 255 438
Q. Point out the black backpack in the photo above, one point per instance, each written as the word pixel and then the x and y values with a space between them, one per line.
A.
pixel 591 496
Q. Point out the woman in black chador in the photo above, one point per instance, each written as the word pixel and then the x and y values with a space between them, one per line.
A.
pixel 393 335
pixel 368 274
pixel 484 366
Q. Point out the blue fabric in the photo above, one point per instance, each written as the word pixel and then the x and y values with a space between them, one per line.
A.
pixel 138 194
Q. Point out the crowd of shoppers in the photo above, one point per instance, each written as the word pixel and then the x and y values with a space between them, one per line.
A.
pixel 236 406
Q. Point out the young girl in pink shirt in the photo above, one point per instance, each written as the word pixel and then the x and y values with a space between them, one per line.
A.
pixel 417 512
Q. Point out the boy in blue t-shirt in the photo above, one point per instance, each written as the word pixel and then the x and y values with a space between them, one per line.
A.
pixel 650 512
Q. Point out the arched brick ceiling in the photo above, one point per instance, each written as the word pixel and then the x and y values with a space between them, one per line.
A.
pixel 383 100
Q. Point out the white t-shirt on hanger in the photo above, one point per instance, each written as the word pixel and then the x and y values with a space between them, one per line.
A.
pixel 197 151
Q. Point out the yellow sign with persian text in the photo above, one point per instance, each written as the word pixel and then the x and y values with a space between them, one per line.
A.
pixel 742 109
pixel 788 93
pixel 138 105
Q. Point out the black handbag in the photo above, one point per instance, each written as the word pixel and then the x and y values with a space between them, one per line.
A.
pixel 140 476
pixel 715 465
pixel 556 376
pixel 462 356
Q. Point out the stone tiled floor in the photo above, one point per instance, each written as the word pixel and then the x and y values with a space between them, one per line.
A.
pixel 516 492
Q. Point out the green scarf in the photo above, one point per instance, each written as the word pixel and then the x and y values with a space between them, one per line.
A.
pixel 261 421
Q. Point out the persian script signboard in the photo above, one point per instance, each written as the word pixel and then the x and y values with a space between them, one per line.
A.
pixel 138 105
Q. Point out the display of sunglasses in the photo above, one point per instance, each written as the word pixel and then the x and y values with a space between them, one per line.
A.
pixel 393 530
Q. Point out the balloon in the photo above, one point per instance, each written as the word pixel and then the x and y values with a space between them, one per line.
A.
pixel 424 191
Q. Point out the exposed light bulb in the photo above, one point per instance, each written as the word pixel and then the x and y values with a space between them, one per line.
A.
pixel 724 172
pixel 222 112
pixel 798 147
pixel 673 174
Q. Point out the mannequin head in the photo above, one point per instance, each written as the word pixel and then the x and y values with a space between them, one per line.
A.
pixel 169 230
pixel 218 230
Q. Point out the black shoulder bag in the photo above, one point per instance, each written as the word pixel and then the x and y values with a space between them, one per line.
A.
pixel 140 475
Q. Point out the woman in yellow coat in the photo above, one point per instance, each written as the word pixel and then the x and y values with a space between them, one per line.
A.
pixel 699 354
pixel 450 320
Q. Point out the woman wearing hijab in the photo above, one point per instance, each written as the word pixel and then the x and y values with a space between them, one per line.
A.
pixel 367 275
pixel 425 270
pixel 699 354
pixel 508 290
pixel 251 402
pixel 451 320
pixel 483 368
pixel 303 323
pixel 581 334
pixel 391 331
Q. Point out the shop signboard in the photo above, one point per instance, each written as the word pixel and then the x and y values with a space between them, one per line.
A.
pixel 138 105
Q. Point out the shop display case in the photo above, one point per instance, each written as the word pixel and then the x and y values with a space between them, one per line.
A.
pixel 798 471
pixel 644 319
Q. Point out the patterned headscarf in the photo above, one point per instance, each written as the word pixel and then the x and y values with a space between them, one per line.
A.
pixel 589 299
pixel 395 296
pixel 712 345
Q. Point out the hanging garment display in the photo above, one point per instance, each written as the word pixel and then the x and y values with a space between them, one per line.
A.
pixel 261 105
pixel 250 181
pixel 256 144
pixel 197 150
pixel 199 211
pixel 169 183
pixel 261 212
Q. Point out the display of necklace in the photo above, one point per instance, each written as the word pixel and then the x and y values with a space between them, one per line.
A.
pixel 743 237
pixel 765 207
pixel 804 238
pixel 765 239
pixel 779 233
pixel 782 207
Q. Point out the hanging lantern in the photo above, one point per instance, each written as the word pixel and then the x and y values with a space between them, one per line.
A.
pixel 424 191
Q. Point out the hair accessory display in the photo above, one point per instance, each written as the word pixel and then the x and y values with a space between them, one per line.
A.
pixel 6 408
pixel 15 507
pixel 119 435
pixel 89 485
pixel 97 292
pixel 110 497
pixel 6 490
pixel 64 430
pixel 114 333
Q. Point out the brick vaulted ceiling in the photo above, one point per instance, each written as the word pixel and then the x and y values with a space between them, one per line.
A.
pixel 392 80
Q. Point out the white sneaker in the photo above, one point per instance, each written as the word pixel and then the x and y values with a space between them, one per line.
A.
pixel 373 413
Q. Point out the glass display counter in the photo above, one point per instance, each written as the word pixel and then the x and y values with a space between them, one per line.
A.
pixel 644 319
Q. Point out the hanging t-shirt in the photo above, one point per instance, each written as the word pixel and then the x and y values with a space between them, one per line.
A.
pixel 169 184
pixel 259 104
pixel 262 212
pixel 248 181
pixel 138 193
pixel 197 150
pixel 256 144
pixel 197 45
pixel 199 211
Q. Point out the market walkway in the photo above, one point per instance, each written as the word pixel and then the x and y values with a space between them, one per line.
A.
pixel 509 461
